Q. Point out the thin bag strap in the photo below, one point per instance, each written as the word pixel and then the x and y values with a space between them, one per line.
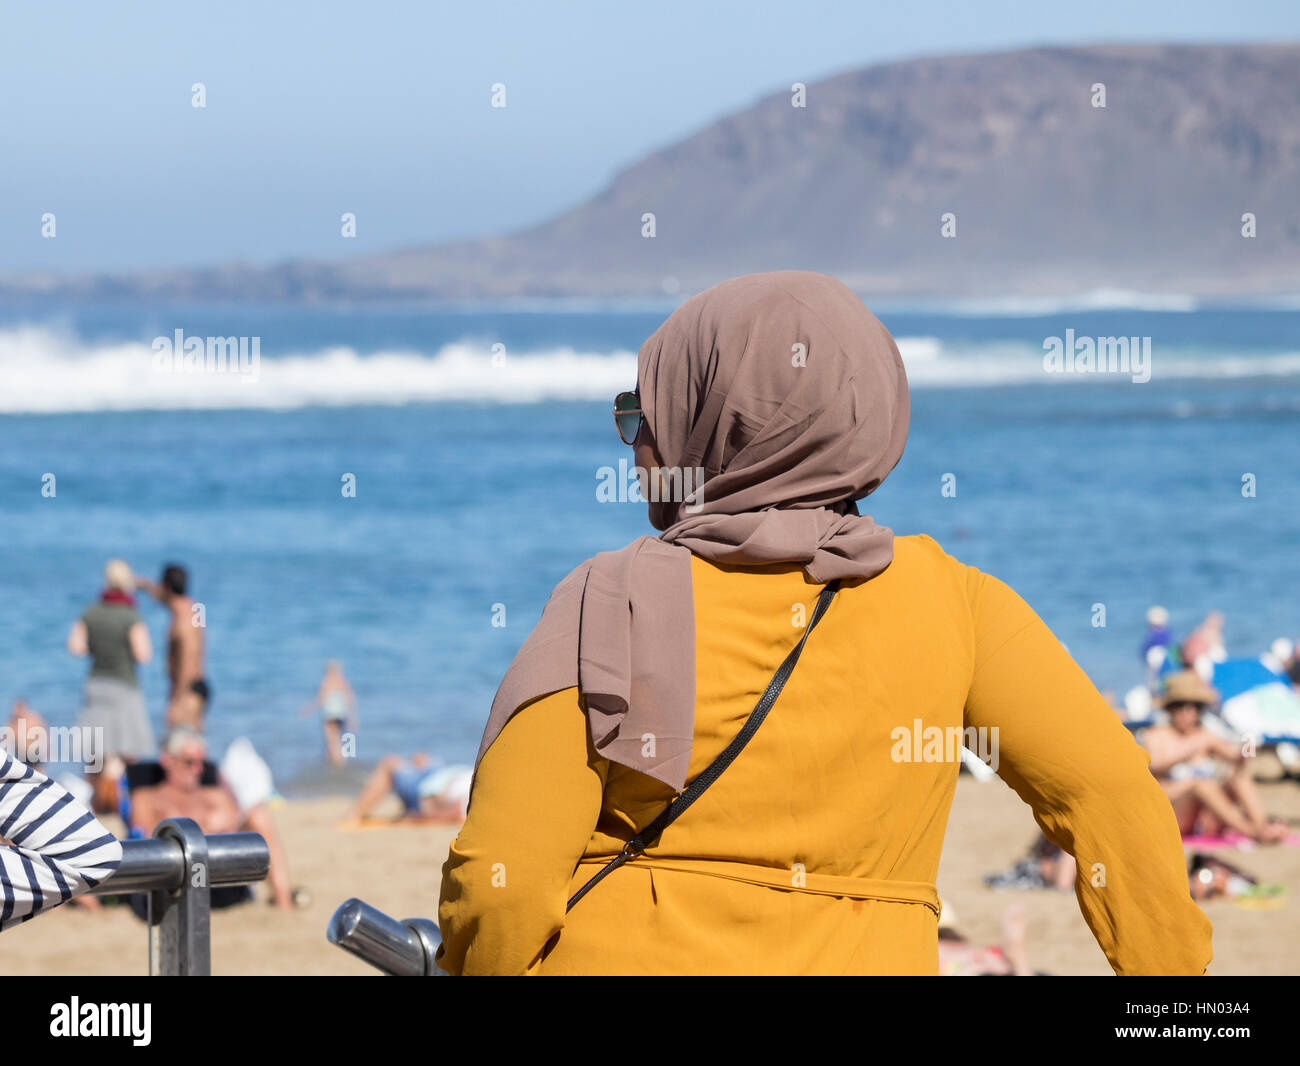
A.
pixel 649 836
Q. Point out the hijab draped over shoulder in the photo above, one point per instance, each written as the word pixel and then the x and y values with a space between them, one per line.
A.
pixel 791 397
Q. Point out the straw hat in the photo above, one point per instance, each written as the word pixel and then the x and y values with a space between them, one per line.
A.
pixel 1186 686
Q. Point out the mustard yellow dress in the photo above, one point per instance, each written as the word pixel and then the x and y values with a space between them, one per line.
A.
pixel 817 851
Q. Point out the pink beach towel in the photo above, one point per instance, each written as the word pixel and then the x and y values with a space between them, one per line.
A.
pixel 1233 839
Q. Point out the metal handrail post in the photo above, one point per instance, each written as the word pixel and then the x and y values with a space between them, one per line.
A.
pixel 185 931
pixel 177 868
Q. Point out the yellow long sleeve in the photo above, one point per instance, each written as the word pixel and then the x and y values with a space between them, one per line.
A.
pixel 1067 755
pixel 505 883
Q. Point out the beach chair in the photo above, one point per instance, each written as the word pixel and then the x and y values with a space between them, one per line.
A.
pixel 148 774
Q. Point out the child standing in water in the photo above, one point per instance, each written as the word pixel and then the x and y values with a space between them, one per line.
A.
pixel 338 704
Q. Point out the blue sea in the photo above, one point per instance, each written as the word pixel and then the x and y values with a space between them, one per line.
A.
pixel 475 438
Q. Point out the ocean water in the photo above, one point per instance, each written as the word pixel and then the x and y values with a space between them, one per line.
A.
pixel 476 490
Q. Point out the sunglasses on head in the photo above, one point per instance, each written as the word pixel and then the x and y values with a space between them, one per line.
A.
pixel 628 416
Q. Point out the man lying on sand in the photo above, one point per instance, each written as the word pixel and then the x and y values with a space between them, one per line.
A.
pixel 213 807
pixel 1207 779
pixel 1046 866
pixel 429 793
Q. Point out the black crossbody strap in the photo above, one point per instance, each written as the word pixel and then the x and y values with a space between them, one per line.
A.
pixel 649 836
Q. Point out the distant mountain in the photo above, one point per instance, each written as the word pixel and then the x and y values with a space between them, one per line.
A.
pixel 1051 194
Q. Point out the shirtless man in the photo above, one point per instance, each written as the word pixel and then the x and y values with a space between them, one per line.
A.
pixel 1185 759
pixel 184 644
pixel 213 807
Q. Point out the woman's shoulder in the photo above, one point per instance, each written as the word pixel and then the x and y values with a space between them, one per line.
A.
pixel 986 596
pixel 922 550
pixel 920 558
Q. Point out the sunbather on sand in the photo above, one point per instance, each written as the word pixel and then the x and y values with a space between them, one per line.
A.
pixel 958 957
pixel 1207 779
pixel 429 792
pixel 1209 877
pixel 1046 866
pixel 213 807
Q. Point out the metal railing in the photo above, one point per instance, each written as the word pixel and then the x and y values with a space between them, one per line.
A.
pixel 178 867
pixel 399 949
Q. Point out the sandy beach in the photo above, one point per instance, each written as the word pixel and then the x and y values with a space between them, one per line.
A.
pixel 397 870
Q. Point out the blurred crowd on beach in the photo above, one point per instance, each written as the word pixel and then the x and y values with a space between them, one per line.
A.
pixel 127 776
pixel 1204 718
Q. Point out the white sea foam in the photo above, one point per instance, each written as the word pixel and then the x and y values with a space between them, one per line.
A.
pixel 46 371
pixel 1092 300
pixel 1020 363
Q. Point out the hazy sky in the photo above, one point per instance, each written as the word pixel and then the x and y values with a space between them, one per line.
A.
pixel 383 109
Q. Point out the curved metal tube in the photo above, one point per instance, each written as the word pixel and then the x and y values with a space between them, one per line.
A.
pixel 400 949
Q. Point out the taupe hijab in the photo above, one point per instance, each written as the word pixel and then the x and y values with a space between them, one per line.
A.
pixel 791 396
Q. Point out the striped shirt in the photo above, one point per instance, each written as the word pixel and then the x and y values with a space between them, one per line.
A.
pixel 51 847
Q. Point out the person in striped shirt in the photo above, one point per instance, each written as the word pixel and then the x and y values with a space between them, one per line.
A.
pixel 51 847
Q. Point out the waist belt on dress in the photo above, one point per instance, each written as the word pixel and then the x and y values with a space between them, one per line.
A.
pixel 875 888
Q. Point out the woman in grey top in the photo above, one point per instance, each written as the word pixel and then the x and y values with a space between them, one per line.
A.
pixel 117 641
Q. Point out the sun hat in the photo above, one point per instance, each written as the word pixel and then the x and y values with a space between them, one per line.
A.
pixel 1186 686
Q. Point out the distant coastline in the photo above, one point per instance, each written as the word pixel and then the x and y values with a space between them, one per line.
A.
pixel 989 177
